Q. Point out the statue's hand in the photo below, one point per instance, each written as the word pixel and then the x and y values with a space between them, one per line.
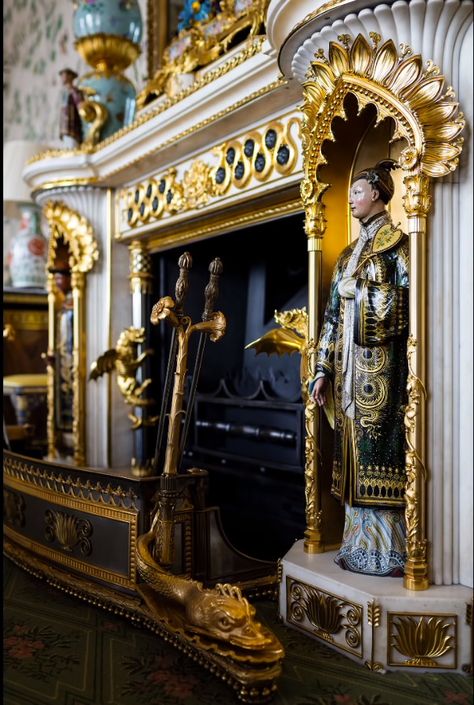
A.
pixel 347 286
pixel 319 391
pixel 49 358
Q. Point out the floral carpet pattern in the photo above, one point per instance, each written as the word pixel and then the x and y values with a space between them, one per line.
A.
pixel 59 651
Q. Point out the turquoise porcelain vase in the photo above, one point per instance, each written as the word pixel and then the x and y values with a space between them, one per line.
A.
pixel 121 18
pixel 118 95
pixel 107 35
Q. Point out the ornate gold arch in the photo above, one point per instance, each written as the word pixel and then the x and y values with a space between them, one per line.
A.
pixel 78 234
pixel 426 116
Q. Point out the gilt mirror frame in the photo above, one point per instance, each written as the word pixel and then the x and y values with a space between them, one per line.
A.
pixel 425 114
pixel 157 20
pixel 77 233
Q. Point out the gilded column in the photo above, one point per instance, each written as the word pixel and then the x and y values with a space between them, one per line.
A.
pixel 50 372
pixel 141 287
pixel 417 202
pixel 314 227
pixel 79 411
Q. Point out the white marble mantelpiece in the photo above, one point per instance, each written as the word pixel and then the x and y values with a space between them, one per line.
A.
pixel 250 95
pixel 158 138
pixel 368 608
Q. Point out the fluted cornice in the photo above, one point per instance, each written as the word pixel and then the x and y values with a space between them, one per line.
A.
pixel 429 27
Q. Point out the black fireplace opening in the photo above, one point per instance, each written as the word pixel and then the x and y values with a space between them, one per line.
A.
pixel 246 427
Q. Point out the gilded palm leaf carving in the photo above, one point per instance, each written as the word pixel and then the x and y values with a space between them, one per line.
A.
pixel 399 86
pixel 77 233
pixel 69 531
pixel 332 618
pixel 324 612
pixel 423 640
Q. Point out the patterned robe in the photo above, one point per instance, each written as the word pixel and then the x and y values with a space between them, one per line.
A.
pixel 64 366
pixel 362 350
pixel 70 124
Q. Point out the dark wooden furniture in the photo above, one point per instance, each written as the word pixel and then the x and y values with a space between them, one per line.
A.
pixel 26 311
pixel 25 316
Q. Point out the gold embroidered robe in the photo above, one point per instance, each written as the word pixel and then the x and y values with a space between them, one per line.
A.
pixel 369 451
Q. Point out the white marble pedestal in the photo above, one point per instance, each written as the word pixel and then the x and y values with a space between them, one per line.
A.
pixel 376 621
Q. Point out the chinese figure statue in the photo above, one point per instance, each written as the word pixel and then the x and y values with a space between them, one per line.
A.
pixel 63 354
pixel 70 126
pixel 361 370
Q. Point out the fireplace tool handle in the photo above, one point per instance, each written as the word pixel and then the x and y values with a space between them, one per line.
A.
pixel 185 263
pixel 211 293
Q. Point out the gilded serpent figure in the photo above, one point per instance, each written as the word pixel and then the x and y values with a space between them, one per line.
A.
pixel 221 613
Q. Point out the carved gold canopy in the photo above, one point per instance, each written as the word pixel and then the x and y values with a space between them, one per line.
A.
pixel 400 87
pixel 76 232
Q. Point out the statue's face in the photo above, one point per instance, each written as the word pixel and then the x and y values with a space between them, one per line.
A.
pixel 362 199
pixel 63 282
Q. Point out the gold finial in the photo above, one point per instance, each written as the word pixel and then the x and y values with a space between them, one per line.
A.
pixel 405 50
pixel 185 263
pixel 431 68
pixel 319 55
pixel 375 37
pixel 345 39
pixel 211 291
pixel 450 93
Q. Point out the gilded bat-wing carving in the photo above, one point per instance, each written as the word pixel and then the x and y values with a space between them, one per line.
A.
pixel 291 337
pixel 105 363
pixel 278 340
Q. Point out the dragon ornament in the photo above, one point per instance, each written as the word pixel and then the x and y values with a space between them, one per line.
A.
pixel 219 616
pixel 124 360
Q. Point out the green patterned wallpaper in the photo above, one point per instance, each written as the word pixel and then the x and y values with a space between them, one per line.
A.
pixel 38 42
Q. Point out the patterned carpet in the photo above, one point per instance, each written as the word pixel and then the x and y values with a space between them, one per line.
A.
pixel 58 651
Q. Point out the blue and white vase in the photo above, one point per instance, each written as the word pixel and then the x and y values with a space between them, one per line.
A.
pixel 29 251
